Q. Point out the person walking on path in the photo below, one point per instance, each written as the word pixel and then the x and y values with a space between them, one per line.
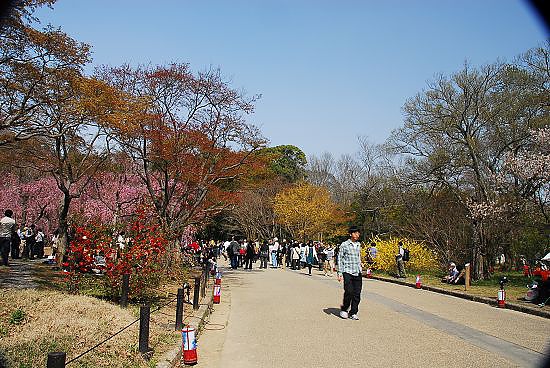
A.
pixel 7 232
pixel 311 255
pixel 329 260
pixel 274 250
pixel 349 269
pixel 400 262
pixel 295 254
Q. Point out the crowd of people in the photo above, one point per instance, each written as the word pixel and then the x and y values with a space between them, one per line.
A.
pixel 290 254
pixel 22 241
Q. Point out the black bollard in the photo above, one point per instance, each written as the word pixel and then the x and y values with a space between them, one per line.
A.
pixel 179 310
pixel 203 284
pixel 56 360
pixel 144 315
pixel 196 293
pixel 125 289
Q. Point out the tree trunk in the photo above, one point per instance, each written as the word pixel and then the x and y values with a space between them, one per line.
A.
pixel 477 256
pixel 64 227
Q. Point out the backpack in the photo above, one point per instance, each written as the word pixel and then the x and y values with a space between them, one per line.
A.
pixel 406 255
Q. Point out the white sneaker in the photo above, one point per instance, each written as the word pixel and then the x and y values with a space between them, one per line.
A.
pixel 344 314
pixel 354 317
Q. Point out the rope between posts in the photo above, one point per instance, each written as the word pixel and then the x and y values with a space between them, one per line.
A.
pixel 100 343
pixel 110 337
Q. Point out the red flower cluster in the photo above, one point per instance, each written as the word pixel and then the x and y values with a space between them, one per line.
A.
pixel 141 258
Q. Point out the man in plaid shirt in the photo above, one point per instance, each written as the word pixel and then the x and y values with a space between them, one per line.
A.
pixel 349 268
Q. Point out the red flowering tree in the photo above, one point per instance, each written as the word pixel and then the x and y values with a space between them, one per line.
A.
pixel 141 258
pixel 190 142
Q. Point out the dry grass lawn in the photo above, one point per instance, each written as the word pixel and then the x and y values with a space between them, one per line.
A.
pixel 35 322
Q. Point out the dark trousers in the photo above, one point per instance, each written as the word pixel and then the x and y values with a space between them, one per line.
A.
pixel 26 249
pixel 14 249
pixel 248 263
pixel 263 261
pixel 309 266
pixel 352 292
pixel 295 264
pixel 39 249
pixel 5 244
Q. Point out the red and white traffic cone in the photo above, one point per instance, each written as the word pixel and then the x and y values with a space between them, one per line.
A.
pixel 218 278
pixel 369 273
pixel 217 293
pixel 418 282
pixel 501 297
pixel 189 347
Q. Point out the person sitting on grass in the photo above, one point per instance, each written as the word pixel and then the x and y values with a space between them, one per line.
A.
pixel 452 277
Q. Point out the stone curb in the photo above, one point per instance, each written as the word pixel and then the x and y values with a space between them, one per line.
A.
pixel 479 299
pixel 172 358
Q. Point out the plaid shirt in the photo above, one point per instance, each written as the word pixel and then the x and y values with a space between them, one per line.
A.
pixel 349 258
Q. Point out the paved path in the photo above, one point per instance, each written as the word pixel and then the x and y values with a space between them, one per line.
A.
pixel 19 275
pixel 283 318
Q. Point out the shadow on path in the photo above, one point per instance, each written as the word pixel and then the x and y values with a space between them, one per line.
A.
pixel 19 275
pixel 332 311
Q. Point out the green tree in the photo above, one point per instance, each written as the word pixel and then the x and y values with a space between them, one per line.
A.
pixel 287 161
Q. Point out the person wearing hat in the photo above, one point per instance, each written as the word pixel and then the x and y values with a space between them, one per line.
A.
pixel 349 269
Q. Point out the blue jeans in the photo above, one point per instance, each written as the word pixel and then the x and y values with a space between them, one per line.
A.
pixel 274 259
pixel 234 261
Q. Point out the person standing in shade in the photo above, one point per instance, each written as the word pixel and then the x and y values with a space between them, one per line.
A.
pixel 349 269
pixel 235 247
pixel 399 260
pixel 249 255
pixel 264 254
pixel 39 243
pixel 7 232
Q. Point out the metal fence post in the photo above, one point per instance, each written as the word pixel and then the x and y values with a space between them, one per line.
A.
pixel 179 310
pixel 144 316
pixel 196 293
pixel 125 289
pixel 56 360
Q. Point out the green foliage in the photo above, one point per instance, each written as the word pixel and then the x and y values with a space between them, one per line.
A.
pixel 17 317
pixel 531 243
pixel 287 161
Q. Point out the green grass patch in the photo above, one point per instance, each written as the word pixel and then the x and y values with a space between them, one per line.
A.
pixel 17 317
pixel 516 287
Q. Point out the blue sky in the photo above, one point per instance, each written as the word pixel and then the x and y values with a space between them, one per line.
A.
pixel 328 71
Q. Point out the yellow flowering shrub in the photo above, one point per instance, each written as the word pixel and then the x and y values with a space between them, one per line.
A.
pixel 421 258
